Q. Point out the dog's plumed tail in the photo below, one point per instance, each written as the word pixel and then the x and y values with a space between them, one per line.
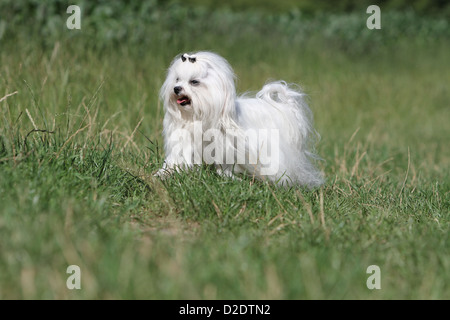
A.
pixel 297 134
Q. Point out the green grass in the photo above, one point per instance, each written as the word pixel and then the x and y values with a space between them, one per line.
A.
pixel 81 190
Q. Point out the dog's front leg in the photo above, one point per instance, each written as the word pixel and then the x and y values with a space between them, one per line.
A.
pixel 180 155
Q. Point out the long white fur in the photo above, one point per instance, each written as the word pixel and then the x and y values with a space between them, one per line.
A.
pixel 215 106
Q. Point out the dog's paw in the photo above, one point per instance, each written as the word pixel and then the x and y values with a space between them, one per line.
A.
pixel 227 173
pixel 162 173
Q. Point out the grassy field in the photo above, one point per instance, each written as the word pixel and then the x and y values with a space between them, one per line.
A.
pixel 80 137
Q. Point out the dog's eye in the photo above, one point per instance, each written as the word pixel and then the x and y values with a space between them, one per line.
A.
pixel 178 79
pixel 194 82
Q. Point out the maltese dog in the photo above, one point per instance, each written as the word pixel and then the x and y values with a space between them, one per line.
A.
pixel 269 136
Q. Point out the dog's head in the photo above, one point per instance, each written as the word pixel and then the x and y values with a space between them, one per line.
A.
pixel 199 85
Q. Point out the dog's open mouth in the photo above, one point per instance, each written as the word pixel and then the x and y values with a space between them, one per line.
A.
pixel 183 100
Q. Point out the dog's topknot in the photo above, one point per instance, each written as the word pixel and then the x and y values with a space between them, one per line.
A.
pixel 186 56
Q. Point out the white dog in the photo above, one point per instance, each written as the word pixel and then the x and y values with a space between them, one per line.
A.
pixel 268 136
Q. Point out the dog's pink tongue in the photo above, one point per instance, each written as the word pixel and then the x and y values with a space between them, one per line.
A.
pixel 180 101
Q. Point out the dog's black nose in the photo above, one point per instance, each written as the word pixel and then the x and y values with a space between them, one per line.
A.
pixel 177 89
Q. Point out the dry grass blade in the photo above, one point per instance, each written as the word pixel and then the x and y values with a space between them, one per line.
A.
pixel 70 138
pixel 130 138
pixel 406 177
pixel 307 206
pixel 219 213
pixel 8 95
pixel 322 215
pixel 31 119
pixel 244 206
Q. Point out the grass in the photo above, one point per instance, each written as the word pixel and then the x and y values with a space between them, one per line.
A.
pixel 80 137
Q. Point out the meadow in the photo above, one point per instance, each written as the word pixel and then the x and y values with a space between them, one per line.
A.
pixel 81 136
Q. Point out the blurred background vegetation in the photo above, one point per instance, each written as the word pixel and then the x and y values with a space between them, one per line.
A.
pixel 339 24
